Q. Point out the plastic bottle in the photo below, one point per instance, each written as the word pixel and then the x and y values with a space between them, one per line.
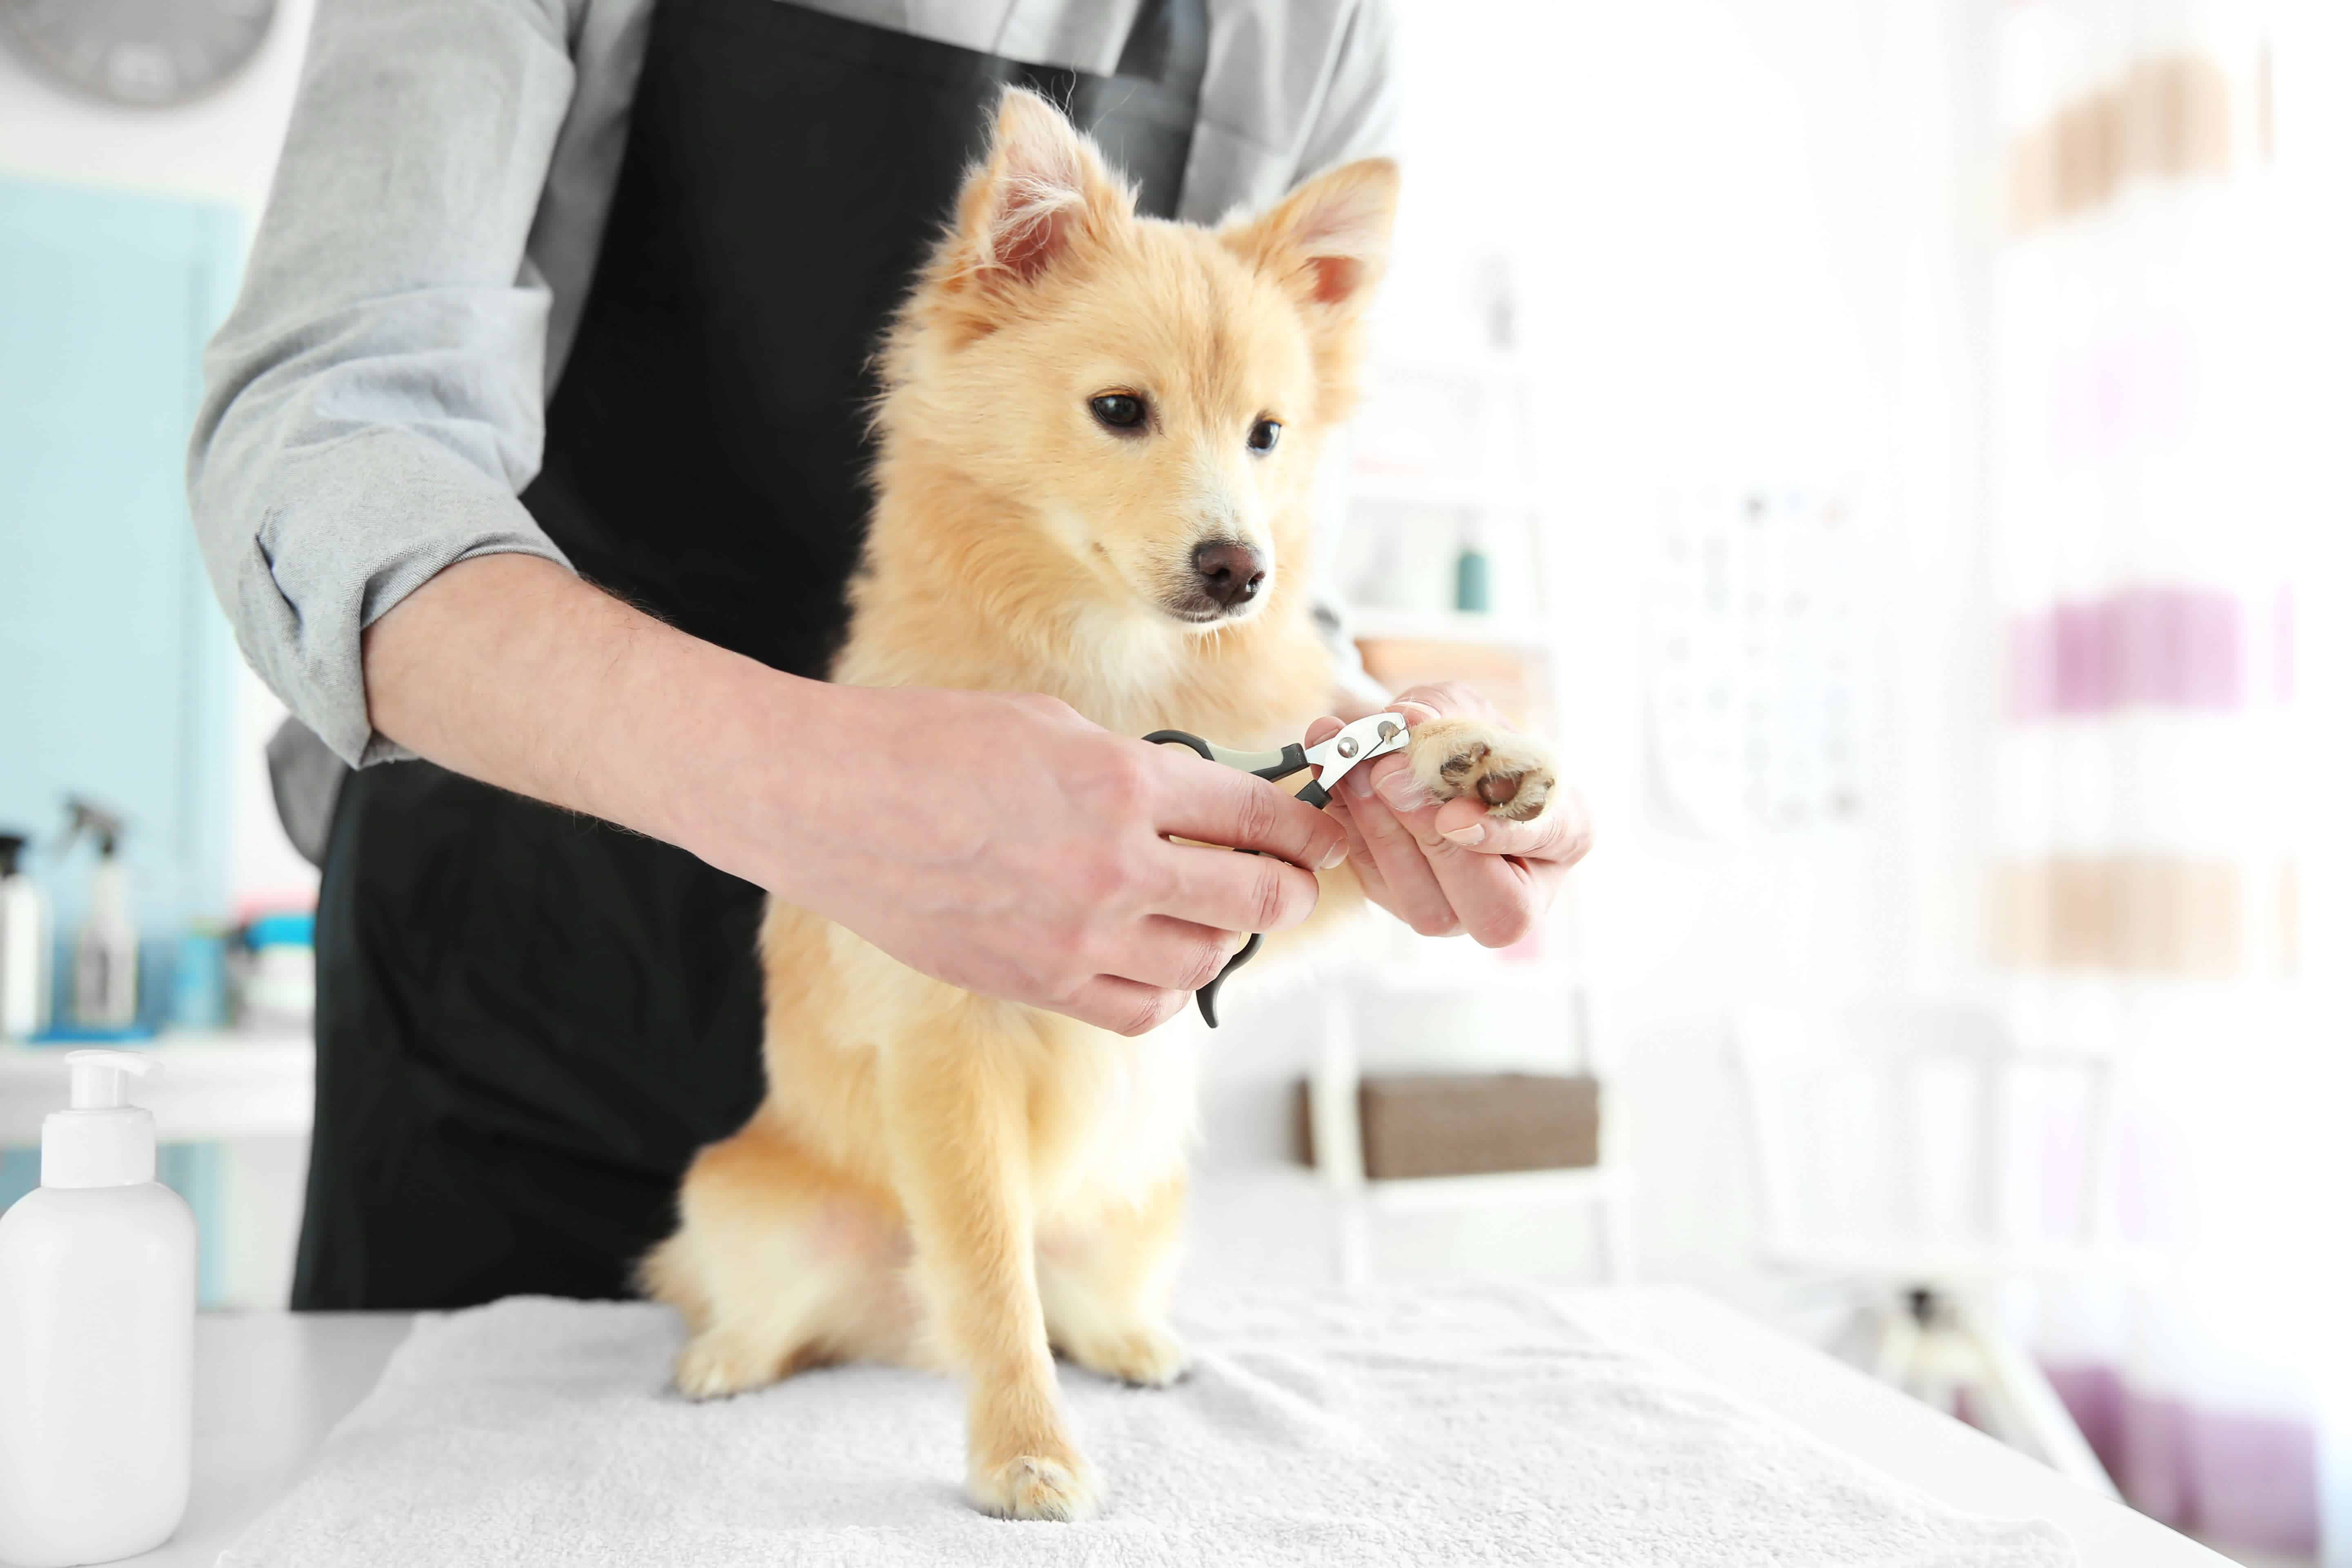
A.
pixel 106 949
pixel 1470 587
pixel 98 1310
pixel 24 946
pixel 281 988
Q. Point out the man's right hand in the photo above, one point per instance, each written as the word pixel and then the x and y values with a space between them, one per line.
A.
pixel 1000 843
pixel 1010 846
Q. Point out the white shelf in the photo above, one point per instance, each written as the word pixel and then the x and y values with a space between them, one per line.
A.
pixel 1438 494
pixel 1450 361
pixel 1581 1183
pixel 206 1086
pixel 1436 978
pixel 1453 626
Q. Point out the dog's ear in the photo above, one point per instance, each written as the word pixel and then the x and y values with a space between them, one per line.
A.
pixel 1329 240
pixel 1041 191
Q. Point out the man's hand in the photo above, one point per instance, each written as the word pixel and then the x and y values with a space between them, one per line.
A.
pixel 1010 846
pixel 1000 843
pixel 1450 868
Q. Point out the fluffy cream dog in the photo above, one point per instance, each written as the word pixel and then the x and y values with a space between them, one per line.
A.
pixel 1096 439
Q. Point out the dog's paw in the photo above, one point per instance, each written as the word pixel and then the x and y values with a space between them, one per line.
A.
pixel 711 1367
pixel 1031 1486
pixel 1512 773
pixel 1149 1356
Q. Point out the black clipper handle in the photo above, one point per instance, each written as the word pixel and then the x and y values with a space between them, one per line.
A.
pixel 1207 994
pixel 1294 760
pixel 1183 738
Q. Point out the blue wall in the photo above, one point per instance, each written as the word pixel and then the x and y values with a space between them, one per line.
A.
pixel 114 661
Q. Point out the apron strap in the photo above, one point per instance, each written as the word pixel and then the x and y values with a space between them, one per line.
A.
pixel 1143 115
pixel 1167 44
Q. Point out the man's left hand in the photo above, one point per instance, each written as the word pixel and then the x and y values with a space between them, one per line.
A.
pixel 1448 868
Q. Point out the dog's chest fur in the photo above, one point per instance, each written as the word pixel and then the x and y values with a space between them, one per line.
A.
pixel 1128 1116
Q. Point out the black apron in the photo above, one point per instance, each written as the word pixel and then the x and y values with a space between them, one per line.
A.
pixel 529 1021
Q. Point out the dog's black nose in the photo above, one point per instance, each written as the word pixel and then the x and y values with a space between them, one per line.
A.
pixel 1231 572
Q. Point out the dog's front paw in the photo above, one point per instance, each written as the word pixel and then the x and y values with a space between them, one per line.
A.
pixel 712 1366
pixel 1031 1486
pixel 1513 774
pixel 1149 1356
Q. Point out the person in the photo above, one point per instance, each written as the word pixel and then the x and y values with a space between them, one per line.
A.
pixel 528 465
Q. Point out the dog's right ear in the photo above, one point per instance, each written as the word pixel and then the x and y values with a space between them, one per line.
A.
pixel 1042 192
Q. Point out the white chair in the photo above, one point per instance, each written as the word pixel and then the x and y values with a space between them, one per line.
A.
pixel 1604 1190
pixel 1890 1140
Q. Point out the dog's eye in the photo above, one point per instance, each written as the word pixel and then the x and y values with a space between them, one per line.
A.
pixel 1120 410
pixel 1264 435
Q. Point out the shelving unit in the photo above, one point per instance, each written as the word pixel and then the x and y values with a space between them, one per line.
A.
pixel 1501 496
pixel 1454 625
pixel 211 1086
pixel 233 1112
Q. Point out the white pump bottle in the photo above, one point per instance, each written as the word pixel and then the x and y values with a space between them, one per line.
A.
pixel 97 1309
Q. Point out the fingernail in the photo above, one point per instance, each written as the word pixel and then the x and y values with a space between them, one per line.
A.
pixel 1476 833
pixel 1359 784
pixel 1400 790
pixel 1336 853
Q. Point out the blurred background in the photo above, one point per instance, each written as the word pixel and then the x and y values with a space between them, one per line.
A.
pixel 1898 451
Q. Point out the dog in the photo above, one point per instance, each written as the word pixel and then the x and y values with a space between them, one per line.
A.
pixel 1096 435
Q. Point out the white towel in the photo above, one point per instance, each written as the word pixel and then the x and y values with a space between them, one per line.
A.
pixel 1470 1425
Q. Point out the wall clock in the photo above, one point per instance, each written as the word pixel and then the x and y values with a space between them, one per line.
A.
pixel 146 53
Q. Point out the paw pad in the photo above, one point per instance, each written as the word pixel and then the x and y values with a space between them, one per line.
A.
pixel 1510 774
pixel 1499 789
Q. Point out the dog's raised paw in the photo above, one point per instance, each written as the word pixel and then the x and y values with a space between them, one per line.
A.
pixel 1031 1486
pixel 1148 1356
pixel 1512 774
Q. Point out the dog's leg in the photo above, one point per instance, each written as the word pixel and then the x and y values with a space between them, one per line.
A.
pixel 1105 1285
pixel 1512 773
pixel 959 1128
pixel 776 1266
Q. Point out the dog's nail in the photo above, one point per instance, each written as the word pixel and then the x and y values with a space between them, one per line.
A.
pixel 1465 837
pixel 1336 853
pixel 1499 789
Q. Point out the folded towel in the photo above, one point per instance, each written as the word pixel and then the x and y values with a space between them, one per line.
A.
pixel 1465 1425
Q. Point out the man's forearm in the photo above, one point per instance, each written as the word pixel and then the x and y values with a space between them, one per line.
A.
pixel 509 668
pixel 1047 870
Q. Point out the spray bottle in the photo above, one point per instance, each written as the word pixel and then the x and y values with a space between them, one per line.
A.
pixel 106 951
pixel 98 1314
pixel 24 946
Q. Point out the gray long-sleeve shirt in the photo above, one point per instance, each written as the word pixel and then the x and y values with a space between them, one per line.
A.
pixel 375 404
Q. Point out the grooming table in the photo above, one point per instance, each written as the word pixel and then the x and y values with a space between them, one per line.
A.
pixel 269 1386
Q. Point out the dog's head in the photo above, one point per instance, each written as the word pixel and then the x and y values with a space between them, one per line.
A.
pixel 1151 397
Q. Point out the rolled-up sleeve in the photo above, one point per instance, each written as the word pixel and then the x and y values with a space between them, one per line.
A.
pixel 1358 115
pixel 374 405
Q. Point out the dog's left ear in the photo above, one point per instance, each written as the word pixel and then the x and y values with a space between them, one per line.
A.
pixel 1329 240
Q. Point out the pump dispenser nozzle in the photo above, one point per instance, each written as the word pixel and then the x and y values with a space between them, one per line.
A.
pixel 101 1140
pixel 98 1078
